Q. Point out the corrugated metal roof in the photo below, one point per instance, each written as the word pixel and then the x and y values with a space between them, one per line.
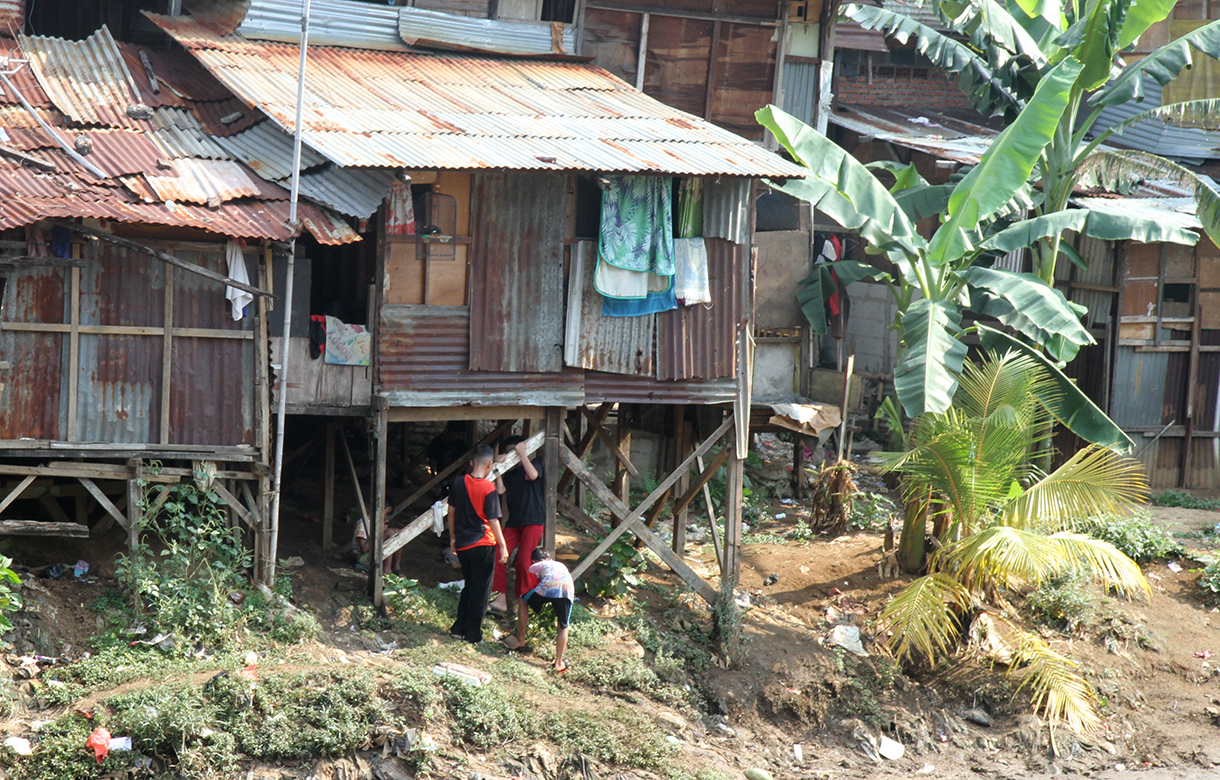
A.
pixel 1187 144
pixel 356 192
pixel 1178 212
pixel 268 151
pixel 204 181
pixel 852 35
pixel 923 131
pixel 434 29
pixel 221 16
pixel 86 80
pixel 12 15
pixel 331 23
pixel 380 109
pixel 178 133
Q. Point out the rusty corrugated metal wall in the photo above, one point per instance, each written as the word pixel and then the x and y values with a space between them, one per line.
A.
pixel 618 345
pixel 423 360
pixel 516 267
pixel 30 397
pixel 698 342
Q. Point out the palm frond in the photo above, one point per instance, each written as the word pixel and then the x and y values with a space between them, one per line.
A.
pixel 1120 171
pixel 1055 688
pixel 1106 562
pixel 1000 556
pixel 920 615
pixel 1094 481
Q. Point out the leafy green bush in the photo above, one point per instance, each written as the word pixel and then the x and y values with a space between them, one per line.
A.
pixel 1209 581
pixel 1181 498
pixel 484 716
pixel 1062 601
pixel 614 573
pixel 1136 536
pixel 871 512
pixel 622 737
pixel 616 673
pixel 9 601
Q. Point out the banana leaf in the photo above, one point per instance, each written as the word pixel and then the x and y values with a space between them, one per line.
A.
pixel 925 378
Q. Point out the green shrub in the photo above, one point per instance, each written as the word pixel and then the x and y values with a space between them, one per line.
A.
pixel 1136 536
pixel 9 600
pixel 614 573
pixel 1062 602
pixel 1181 498
pixel 1209 581
pixel 621 737
pixel 483 716
pixel 871 512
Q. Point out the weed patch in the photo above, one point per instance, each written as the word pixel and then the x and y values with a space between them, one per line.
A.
pixel 1062 602
pixel 485 716
pixel 622 737
pixel 1136 536
pixel 1181 498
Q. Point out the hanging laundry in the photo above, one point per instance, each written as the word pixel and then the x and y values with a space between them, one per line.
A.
pixel 238 299
pixel 400 210
pixel 618 283
pixel 317 335
pixel 659 297
pixel 690 209
pixel 691 283
pixel 637 224
pixel 61 242
pixel 347 345
pixel 35 244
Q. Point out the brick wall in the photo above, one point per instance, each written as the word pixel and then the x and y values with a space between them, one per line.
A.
pixel 935 92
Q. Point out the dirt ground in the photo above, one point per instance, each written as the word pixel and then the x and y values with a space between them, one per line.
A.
pixel 786 687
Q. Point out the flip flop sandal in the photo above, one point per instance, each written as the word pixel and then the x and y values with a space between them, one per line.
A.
pixel 566 667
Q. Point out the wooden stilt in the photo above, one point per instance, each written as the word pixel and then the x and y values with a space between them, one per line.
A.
pixel 622 480
pixel 16 492
pixel 377 527
pixel 711 509
pixel 798 466
pixel 328 489
pixel 135 518
pixel 682 432
pixel 550 473
pixel 351 465
pixel 586 443
pixel 731 568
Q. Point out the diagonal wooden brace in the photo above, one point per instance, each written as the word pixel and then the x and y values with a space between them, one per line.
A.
pixel 424 521
pixel 105 502
pixel 452 467
pixel 608 439
pixel 586 442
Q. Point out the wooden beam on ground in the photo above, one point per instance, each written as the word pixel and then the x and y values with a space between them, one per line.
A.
pixel 104 501
pixel 632 521
pixel 586 443
pixel 550 472
pixel 570 510
pixel 16 492
pixel 424 520
pixel 502 429
pixel 164 257
pixel 608 439
pixel 41 528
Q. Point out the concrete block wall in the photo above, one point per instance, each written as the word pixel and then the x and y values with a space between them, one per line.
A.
pixel 867 337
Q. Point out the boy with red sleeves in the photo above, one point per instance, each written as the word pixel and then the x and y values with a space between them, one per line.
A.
pixel 475 537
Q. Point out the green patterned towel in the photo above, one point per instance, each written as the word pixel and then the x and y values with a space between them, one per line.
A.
pixel 637 227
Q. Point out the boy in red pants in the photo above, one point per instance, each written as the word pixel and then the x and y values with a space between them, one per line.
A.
pixel 522 491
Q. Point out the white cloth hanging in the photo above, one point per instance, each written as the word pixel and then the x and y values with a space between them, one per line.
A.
pixel 440 512
pixel 691 283
pixel 238 299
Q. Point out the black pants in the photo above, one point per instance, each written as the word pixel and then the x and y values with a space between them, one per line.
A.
pixel 478 567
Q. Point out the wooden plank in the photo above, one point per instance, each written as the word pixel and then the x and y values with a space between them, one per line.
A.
pixel 16 492
pixel 135 517
pixel 550 473
pixel 262 383
pixel 621 455
pixel 610 500
pixel 705 474
pixel 381 444
pixel 162 256
pixel 681 445
pixel 127 330
pixel 710 93
pixel 21 261
pixel 41 528
pixel 711 514
pixel 642 53
pixel 104 501
pixel 18 156
pixel 448 470
pixel 632 520
pixel 235 504
pixel 328 488
pixel 570 510
pixel 148 68
pixel 1192 379
pixel 609 5
pixel 731 553
pixel 73 347
pixel 424 520
pixel 586 443
pixel 446 413
pixel 159 501
pixel 622 426
pixel 351 465
pixel 53 508
pixel 167 351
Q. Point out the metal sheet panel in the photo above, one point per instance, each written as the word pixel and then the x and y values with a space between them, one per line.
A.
pixel 604 388
pixel 618 345
pixel 1188 144
pixel 86 80
pixel 178 133
pixel 727 205
pixel 423 354
pixel 357 192
pixel 946 137
pixel 221 16
pixel 516 268
pixel 30 399
pixel 801 89
pixel 268 151
pixel 434 29
pixel 698 342
pixel 851 35
pixel 379 109
pixel 331 23
pixel 1140 377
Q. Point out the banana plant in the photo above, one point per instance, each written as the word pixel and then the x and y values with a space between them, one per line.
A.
pixel 1003 52
pixel 940 277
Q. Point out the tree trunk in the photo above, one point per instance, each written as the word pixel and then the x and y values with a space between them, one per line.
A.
pixel 912 546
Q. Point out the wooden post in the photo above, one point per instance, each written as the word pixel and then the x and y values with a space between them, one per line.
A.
pixel 622 425
pixel 583 427
pixel 328 489
pixel 682 432
pixel 550 473
pixel 167 351
pixel 262 395
pixel 798 466
pixel 730 570
pixel 74 346
pixel 135 518
pixel 1192 379
pixel 377 530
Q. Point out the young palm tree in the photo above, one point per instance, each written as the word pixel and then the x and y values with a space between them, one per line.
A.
pixel 1006 527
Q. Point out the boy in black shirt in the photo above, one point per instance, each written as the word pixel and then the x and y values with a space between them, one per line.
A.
pixel 475 538
pixel 522 491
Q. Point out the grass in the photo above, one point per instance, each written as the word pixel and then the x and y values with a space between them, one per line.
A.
pixel 1181 498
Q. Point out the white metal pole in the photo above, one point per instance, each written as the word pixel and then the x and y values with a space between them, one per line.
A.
pixel 293 224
